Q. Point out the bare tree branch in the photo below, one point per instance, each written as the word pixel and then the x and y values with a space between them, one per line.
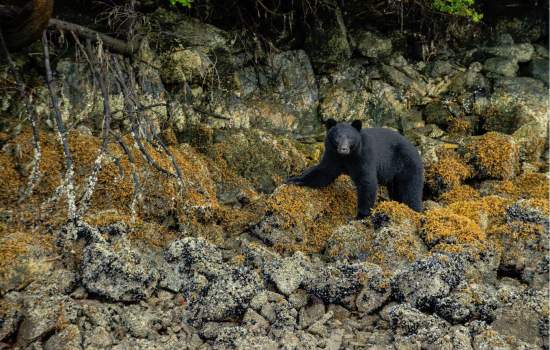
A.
pixel 63 137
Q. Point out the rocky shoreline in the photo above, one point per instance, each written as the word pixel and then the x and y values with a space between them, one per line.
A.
pixel 238 260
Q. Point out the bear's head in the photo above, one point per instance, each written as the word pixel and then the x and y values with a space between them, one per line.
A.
pixel 344 138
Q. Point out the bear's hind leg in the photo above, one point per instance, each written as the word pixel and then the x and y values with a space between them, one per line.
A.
pixel 408 190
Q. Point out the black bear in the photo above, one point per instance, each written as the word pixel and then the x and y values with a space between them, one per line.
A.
pixel 370 157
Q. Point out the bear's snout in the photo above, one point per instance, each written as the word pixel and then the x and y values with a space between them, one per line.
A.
pixel 343 149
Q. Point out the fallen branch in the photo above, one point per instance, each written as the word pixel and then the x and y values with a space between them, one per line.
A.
pixel 35 172
pixel 115 45
pixel 63 138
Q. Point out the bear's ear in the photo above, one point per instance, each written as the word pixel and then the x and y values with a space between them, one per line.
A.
pixel 357 124
pixel 329 123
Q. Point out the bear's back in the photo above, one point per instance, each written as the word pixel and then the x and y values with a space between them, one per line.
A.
pixel 388 144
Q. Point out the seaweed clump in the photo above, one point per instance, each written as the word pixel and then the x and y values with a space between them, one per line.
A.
pixel 448 172
pixel 443 226
pixel 394 212
pixel 493 155
pixel 307 216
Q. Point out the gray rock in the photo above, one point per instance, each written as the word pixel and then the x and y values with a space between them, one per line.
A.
pixel 288 273
pixel 296 86
pixel 524 211
pixel 255 322
pixel 228 296
pixel 138 321
pixel 400 79
pixel 10 314
pixel 310 314
pixel 298 298
pixel 327 41
pixel 41 316
pixel 520 322
pixel 255 343
pixel 124 275
pixel 505 66
pixel 98 338
pixel 439 68
pixel 68 339
pixel 370 300
pixel 334 282
pixel 408 321
pixel 538 69
pixel 426 281
pixel 281 314
pixel 437 113
pixel 372 45
pixel 517 52
pixel 195 254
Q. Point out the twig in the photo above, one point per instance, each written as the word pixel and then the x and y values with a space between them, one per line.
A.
pixel 114 44
pixel 70 188
pixel 92 179
pixel 35 172
pixel 133 116
pixel 212 114
pixel 137 193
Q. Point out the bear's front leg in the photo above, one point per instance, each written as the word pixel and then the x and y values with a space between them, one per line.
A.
pixel 366 196
pixel 317 176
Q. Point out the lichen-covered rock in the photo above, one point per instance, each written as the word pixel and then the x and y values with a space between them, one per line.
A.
pixel 119 275
pixel 67 339
pixel 327 41
pixel 227 296
pixel 493 155
pixel 181 66
pixel 505 66
pixel 518 106
pixel 372 45
pixel 538 69
pixel 446 171
pixel 42 316
pixel 23 257
pixel 516 52
pixel 426 281
pixel 465 304
pixel 10 314
pixel 406 321
pixel 334 282
pixel 348 241
pixel 287 273
pixel 344 95
pixel 196 255
pixel 443 226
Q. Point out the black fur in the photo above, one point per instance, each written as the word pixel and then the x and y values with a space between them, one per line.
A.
pixel 370 157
